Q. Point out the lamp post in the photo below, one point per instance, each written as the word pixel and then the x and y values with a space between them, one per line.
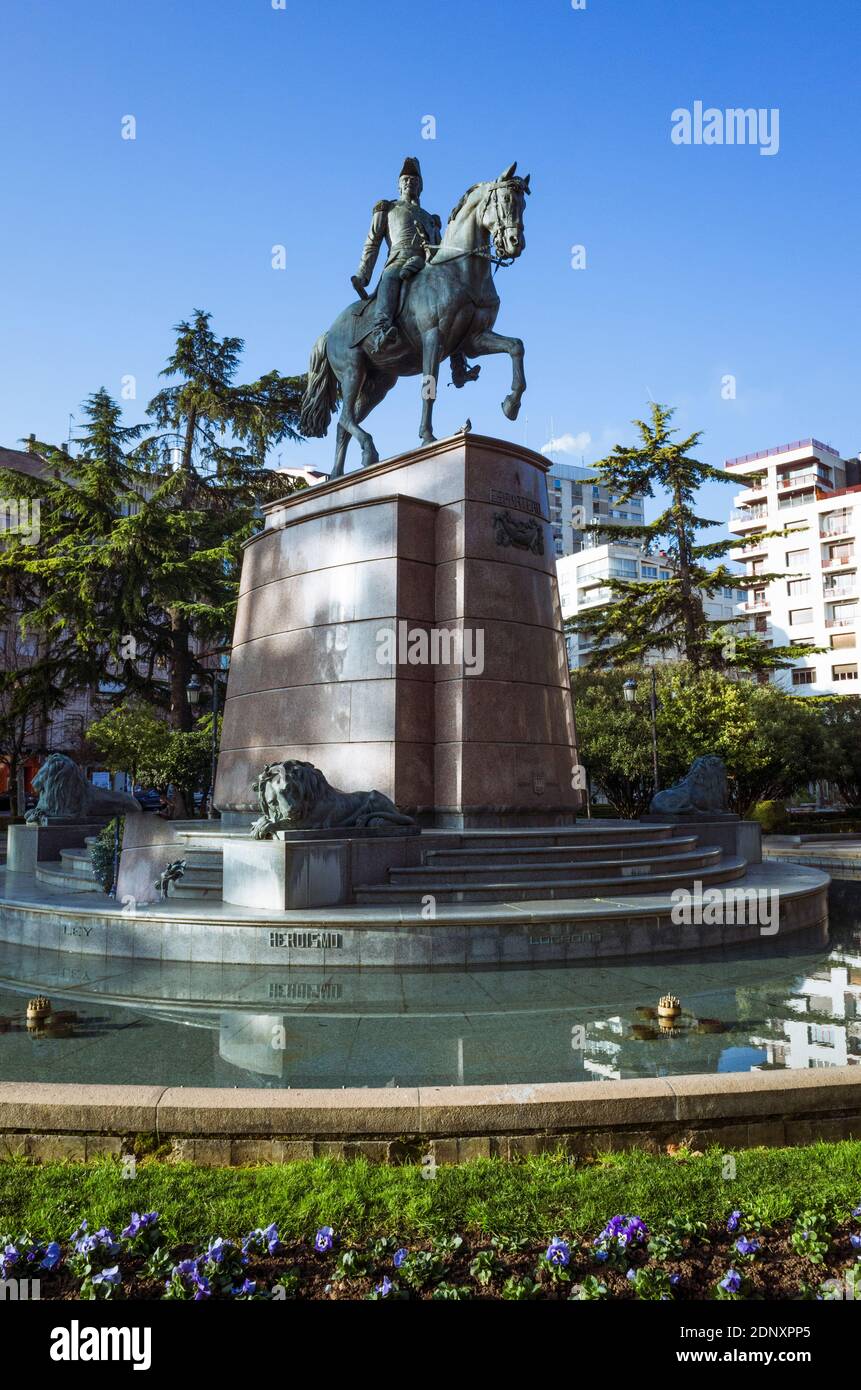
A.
pixel 193 690
pixel 630 691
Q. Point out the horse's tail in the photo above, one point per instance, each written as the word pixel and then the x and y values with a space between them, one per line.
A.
pixel 321 392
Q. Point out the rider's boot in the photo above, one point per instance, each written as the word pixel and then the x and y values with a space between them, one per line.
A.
pixel 384 333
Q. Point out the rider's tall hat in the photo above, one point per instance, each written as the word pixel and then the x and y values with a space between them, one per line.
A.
pixel 413 169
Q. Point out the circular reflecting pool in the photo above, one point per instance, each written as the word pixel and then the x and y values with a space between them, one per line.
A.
pixel 173 1023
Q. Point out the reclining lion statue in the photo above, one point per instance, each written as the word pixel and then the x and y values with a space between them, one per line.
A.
pixel 296 796
pixel 65 794
pixel 703 791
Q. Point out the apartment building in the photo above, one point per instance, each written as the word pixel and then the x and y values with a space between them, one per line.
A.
pixel 806 488
pixel 576 503
pixel 583 584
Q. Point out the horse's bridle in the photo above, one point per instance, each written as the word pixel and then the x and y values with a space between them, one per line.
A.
pixel 503 261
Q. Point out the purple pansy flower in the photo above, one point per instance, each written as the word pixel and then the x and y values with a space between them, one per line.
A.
pixel 139 1223
pixel 107 1276
pixel 855 1242
pixel 747 1246
pixel 558 1252
pixel 324 1239
pixel 731 1281
pixel 399 1256
pixel 384 1288
pixel 732 1224
pixel 53 1255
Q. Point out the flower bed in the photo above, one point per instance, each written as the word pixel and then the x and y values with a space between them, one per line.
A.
pixel 813 1257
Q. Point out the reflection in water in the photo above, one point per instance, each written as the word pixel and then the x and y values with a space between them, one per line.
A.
pixel 178 1023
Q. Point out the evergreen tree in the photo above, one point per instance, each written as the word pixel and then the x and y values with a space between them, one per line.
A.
pixel 209 454
pixel 668 615
pixel 135 578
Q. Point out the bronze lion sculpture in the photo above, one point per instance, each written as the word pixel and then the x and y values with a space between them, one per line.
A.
pixel 294 795
pixel 65 794
pixel 702 792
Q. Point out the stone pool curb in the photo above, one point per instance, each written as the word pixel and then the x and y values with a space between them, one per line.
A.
pixel 446 1123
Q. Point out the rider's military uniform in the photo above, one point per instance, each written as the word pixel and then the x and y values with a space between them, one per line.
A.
pixel 412 235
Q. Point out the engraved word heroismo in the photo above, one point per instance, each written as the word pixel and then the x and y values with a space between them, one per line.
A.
pixel 431 646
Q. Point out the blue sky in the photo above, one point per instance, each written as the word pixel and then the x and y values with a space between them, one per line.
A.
pixel 258 126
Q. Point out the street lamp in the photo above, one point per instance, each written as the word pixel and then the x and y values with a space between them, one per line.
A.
pixel 630 691
pixel 193 692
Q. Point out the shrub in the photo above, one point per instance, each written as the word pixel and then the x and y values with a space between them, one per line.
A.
pixel 772 816
pixel 102 854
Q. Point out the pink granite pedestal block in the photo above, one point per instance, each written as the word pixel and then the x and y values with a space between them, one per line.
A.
pixel 400 628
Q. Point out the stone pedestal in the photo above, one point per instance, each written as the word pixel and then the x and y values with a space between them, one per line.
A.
pixel 736 837
pixel 285 874
pixel 400 628
pixel 29 845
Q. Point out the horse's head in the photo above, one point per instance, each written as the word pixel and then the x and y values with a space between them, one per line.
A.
pixel 502 213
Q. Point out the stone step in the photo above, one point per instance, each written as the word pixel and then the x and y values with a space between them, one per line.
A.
pixel 535 888
pixel 573 854
pixel 199 881
pixel 199 859
pixel 514 871
pixel 77 861
pixel 587 833
pixel 52 875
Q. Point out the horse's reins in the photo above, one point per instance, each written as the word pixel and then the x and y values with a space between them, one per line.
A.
pixel 504 261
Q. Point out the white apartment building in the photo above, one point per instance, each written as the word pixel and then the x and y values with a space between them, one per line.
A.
pixel 807 488
pixel 583 584
pixel 575 504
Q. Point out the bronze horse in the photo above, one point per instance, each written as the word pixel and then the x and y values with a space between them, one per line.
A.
pixel 451 305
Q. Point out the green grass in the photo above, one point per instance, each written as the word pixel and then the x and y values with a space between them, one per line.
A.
pixel 532 1199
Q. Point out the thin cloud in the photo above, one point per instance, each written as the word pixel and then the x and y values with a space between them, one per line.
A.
pixel 568 443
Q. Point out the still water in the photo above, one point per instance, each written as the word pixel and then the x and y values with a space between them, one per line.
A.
pixel 171 1023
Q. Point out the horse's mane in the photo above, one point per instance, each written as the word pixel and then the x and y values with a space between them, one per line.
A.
pixel 458 207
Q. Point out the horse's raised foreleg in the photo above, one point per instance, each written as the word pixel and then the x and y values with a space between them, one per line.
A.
pixel 488 342
pixel 352 382
pixel 430 377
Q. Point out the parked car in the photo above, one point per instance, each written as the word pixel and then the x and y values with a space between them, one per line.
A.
pixel 148 797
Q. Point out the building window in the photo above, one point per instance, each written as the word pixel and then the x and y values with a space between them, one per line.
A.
pixel 799 616
pixel 842 639
pixel 803 677
pixel 845 673
pixel 840 554
pixel 650 572
pixel 798 588
pixel 797 559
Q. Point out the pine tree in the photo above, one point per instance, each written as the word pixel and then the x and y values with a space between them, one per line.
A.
pixel 668 615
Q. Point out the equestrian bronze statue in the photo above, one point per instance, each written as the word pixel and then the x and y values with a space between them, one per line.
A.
pixel 436 300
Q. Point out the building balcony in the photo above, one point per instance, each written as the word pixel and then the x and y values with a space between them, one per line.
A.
pixel 744 460
pixel 848 590
pixel 757 605
pixel 746 516
pixel 755 546
pixel 836 528
pixel 839 562
pixel 804 499
pixel 793 480
pixel 840 622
